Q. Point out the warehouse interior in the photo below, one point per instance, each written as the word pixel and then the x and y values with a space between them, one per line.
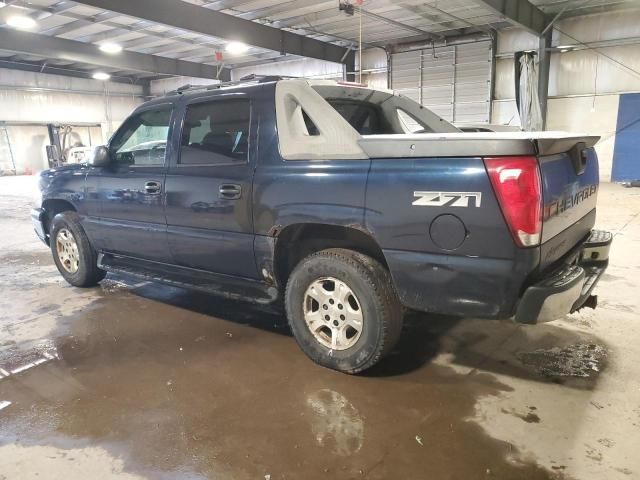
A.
pixel 133 379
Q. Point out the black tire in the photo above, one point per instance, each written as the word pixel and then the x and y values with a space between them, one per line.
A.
pixel 87 274
pixel 371 284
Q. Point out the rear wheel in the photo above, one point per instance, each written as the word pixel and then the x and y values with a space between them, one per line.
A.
pixel 76 259
pixel 343 310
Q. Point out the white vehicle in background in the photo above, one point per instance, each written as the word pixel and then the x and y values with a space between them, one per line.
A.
pixel 79 154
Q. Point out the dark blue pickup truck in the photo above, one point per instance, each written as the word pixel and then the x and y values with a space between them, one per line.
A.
pixel 347 203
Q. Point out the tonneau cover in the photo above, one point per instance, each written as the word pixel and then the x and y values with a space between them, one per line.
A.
pixel 472 144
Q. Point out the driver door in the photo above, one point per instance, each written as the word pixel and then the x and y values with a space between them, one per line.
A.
pixel 131 189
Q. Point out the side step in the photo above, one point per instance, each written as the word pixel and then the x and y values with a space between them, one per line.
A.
pixel 227 286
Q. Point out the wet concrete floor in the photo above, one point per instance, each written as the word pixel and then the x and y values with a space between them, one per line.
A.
pixel 138 380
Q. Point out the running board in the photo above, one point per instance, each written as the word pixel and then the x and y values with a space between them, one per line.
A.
pixel 235 288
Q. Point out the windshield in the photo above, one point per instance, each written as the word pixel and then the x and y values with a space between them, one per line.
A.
pixel 375 112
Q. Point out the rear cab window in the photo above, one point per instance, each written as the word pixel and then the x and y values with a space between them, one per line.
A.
pixel 216 132
pixel 377 112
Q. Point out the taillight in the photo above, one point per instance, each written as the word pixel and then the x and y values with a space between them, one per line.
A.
pixel 516 181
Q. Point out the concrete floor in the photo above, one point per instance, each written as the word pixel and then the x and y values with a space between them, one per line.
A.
pixel 136 380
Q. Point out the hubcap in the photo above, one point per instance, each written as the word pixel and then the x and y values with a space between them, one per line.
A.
pixel 67 250
pixel 332 313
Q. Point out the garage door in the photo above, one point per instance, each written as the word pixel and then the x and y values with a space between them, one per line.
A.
pixel 454 81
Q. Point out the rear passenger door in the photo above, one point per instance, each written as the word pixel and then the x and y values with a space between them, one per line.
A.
pixel 208 187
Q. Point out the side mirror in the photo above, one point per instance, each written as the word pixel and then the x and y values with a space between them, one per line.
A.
pixel 99 157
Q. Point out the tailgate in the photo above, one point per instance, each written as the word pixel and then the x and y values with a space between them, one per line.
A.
pixel 569 191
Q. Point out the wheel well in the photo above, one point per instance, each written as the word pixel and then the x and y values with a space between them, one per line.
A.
pixel 296 242
pixel 53 207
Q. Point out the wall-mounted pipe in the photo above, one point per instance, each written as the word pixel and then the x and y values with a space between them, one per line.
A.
pixel 67 91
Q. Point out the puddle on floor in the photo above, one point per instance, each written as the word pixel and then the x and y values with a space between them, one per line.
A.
pixel 582 360
pixel 195 387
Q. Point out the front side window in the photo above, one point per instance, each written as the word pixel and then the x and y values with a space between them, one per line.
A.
pixel 142 141
pixel 216 133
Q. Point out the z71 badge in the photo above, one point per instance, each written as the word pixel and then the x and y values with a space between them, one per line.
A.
pixel 447 199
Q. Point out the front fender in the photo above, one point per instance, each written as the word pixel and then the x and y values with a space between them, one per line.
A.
pixel 64 184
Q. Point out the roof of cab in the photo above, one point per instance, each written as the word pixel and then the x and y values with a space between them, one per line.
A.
pixel 247 82
pixel 193 90
pixel 256 80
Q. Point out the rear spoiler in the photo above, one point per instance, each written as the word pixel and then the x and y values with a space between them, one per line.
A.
pixel 552 146
pixel 483 144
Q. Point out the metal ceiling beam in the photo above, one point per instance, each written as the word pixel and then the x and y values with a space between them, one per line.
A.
pixel 60 48
pixel 41 67
pixel 521 13
pixel 208 22
pixel 116 30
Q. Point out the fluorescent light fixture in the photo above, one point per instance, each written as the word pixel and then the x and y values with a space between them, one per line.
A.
pixel 21 22
pixel 565 48
pixel 236 47
pixel 101 76
pixel 111 48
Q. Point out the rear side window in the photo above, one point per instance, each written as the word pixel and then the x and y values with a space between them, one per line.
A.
pixel 216 133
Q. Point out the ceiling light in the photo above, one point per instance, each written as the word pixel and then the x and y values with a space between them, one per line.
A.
pixel 101 76
pixel 111 48
pixel 21 22
pixel 565 48
pixel 237 47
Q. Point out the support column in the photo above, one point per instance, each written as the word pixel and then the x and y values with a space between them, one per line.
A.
pixel 544 63
pixel 350 66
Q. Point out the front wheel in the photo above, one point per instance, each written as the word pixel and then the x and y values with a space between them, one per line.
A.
pixel 343 310
pixel 76 259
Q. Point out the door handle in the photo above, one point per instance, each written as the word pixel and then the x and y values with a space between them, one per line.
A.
pixel 230 191
pixel 152 188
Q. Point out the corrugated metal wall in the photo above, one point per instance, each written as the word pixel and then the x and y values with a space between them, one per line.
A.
pixel 453 81
pixel 300 67
pixel 166 85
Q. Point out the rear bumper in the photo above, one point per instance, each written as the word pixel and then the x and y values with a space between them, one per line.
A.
pixel 37 219
pixel 569 288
